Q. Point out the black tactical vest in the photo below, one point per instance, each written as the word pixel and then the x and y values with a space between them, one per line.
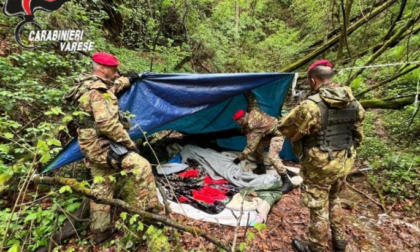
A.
pixel 337 125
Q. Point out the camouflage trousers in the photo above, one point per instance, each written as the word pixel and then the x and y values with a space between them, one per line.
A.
pixel 137 188
pixel 276 144
pixel 325 211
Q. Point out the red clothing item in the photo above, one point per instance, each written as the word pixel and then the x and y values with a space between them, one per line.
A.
pixel 189 174
pixel 182 199
pixel 209 180
pixel 209 194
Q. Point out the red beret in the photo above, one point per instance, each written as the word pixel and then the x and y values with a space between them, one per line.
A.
pixel 323 62
pixel 105 59
pixel 238 114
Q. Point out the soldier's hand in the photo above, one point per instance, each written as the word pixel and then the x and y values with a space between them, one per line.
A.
pixel 132 77
pixel 236 161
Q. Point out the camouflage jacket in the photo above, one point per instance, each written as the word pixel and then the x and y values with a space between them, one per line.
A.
pixel 257 125
pixel 305 120
pixel 96 97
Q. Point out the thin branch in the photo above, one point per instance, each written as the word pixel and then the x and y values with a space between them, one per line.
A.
pixel 247 225
pixel 74 217
pixel 29 123
pixel 397 19
pixel 162 192
pixel 367 196
pixel 18 144
pixel 362 16
pixel 53 231
pixel 238 224
pixel 76 187
pixel 387 81
pixel 345 12
pixel 385 46
pixel 375 48
pixel 20 195
pixel 414 116
pixel 70 220
pixel 334 40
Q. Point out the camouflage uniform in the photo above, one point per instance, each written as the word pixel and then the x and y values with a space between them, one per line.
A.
pixel 261 131
pixel 96 97
pixel 323 177
pixel 276 144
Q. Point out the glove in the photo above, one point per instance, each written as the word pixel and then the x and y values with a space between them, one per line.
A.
pixel 236 161
pixel 132 77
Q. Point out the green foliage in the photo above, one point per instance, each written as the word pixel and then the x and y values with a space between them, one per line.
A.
pixel 98 179
pixel 397 123
pixel 396 157
pixel 205 36
pixel 64 189
pixel 34 224
pixel 400 177
pixel 373 148
pixel 260 227
pixel 137 233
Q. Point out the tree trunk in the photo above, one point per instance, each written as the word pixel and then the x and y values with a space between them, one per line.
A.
pixel 387 44
pixel 376 47
pixel 336 38
pixel 336 31
pixel 78 188
pixel 345 10
pixel 387 81
pixel 397 19
pixel 398 103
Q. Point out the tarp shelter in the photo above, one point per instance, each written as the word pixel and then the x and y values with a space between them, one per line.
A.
pixel 194 103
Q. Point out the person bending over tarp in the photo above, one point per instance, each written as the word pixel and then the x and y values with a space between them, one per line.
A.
pixel 261 131
pixel 105 142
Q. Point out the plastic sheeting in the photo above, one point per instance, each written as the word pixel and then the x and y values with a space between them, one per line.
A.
pixel 226 217
pixel 193 103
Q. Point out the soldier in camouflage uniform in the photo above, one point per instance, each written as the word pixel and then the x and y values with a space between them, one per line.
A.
pixel 103 125
pixel 261 131
pixel 326 127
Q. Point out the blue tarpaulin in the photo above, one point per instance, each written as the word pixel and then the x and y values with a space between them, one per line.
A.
pixel 193 103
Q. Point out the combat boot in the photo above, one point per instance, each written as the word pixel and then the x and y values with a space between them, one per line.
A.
pixel 339 245
pixel 104 236
pixel 287 184
pixel 300 246
pixel 260 169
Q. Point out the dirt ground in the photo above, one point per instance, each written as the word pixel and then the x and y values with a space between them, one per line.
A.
pixel 368 229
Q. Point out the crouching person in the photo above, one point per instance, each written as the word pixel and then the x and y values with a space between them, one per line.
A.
pixel 106 145
pixel 261 131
